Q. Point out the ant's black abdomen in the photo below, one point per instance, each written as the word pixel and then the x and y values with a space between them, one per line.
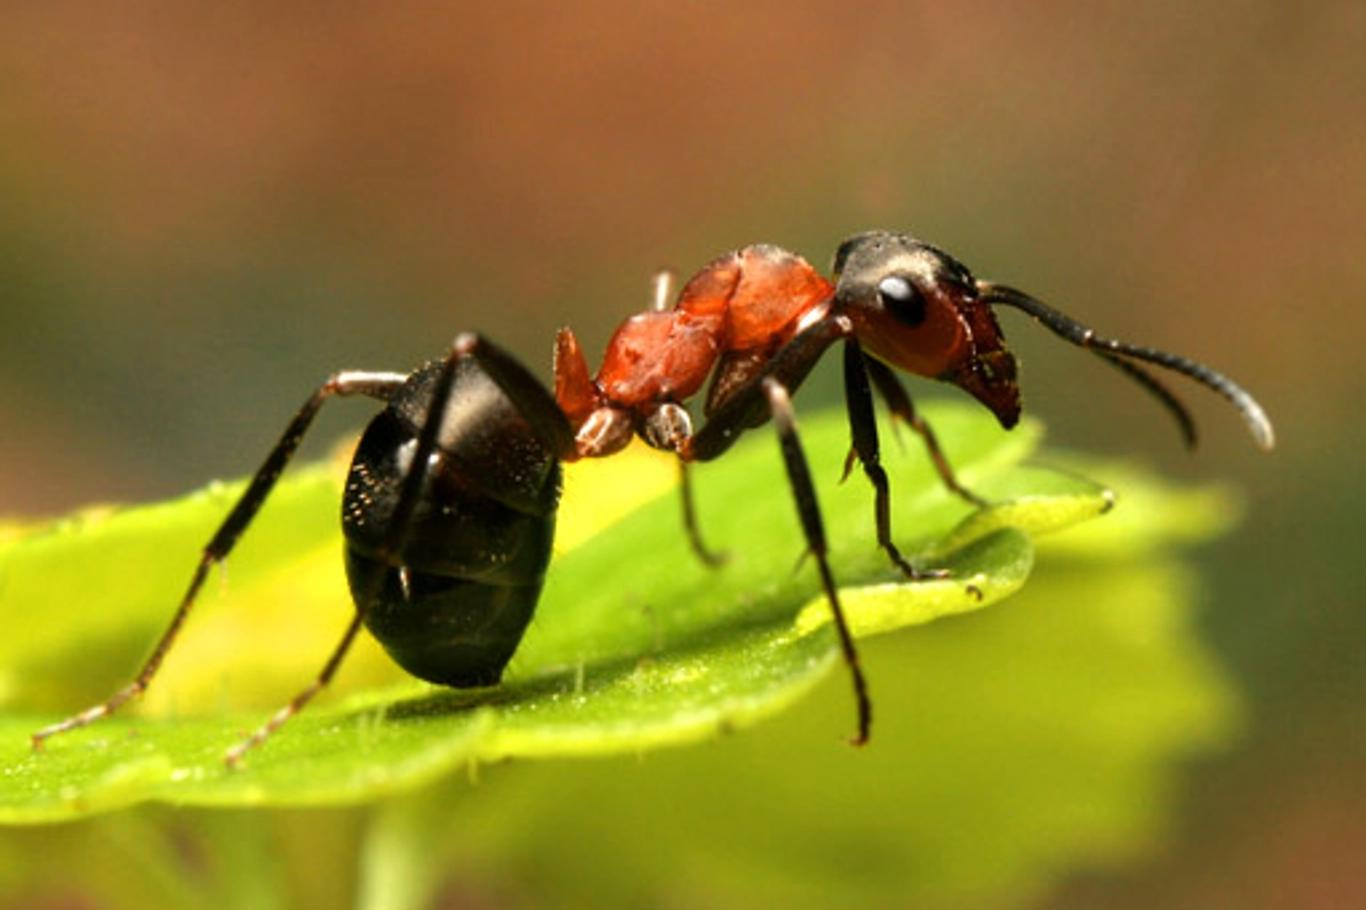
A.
pixel 446 630
pixel 451 606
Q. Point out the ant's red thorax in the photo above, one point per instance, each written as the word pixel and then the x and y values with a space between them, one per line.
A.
pixel 743 306
pixel 658 356
pixel 760 292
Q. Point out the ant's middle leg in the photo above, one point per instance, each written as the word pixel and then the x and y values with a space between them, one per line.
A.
pixel 668 427
pixel 709 557
pixel 662 286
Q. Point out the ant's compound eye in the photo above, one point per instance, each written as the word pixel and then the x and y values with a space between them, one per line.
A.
pixel 901 298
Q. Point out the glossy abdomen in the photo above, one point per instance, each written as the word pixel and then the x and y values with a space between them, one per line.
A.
pixel 451 604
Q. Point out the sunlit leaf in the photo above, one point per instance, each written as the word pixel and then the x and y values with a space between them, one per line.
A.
pixel 1011 746
pixel 635 645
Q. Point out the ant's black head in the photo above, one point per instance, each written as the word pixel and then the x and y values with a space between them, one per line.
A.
pixel 917 308
pixel 873 250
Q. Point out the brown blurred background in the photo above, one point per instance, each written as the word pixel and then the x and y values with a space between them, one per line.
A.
pixel 206 210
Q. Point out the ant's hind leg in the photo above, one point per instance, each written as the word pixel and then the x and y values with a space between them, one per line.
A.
pixel 534 402
pixel 296 704
pixel 349 382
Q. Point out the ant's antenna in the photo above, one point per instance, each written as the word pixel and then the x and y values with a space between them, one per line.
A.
pixel 1166 396
pixel 1114 351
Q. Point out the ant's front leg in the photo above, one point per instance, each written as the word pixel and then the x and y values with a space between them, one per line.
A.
pixel 767 396
pixel 809 513
pixel 863 428
pixel 899 403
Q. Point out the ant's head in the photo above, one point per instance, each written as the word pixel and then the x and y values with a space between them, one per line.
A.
pixel 918 309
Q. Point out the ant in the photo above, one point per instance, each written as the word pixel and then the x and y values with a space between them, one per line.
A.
pixel 449 505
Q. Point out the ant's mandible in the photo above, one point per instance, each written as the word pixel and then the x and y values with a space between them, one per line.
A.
pixel 449 506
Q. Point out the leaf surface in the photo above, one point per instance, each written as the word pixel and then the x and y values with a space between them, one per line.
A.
pixel 634 646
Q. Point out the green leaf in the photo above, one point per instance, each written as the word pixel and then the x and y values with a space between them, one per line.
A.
pixel 1011 746
pixel 634 645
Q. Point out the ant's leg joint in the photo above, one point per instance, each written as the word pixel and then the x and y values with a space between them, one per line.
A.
pixel 668 426
pixel 606 431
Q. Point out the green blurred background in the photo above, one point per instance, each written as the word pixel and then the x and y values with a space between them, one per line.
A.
pixel 206 210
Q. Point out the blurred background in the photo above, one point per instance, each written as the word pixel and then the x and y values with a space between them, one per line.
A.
pixel 206 209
